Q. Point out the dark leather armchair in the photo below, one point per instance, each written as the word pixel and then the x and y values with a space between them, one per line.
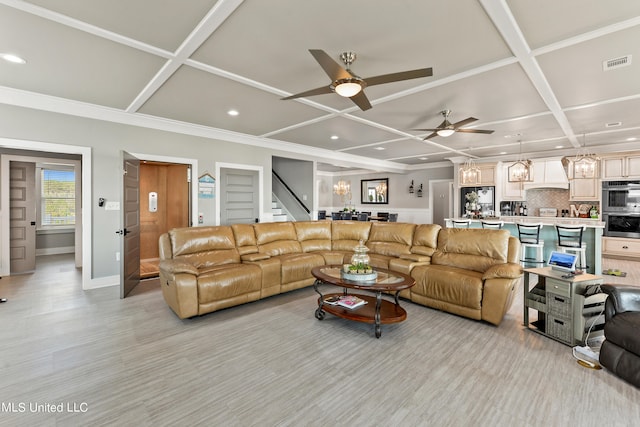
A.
pixel 620 352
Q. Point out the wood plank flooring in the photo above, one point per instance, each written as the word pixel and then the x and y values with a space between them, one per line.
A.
pixel 271 363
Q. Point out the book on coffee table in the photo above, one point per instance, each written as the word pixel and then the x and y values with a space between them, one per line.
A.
pixel 347 301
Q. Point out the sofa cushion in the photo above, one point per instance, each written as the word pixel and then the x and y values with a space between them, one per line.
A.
pixel 227 281
pixel 277 238
pixel 296 267
pixel 346 235
pixel 245 238
pixel 390 238
pixel 471 249
pixel 204 246
pixel 622 330
pixel 425 239
pixel 314 235
pixel 447 284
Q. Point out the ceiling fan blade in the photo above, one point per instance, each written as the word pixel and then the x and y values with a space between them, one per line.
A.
pixel 474 131
pixel 331 67
pixel 427 130
pixel 430 136
pixel 318 91
pixel 396 77
pixel 361 100
pixel 464 122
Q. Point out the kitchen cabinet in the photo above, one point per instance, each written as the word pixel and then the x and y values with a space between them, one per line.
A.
pixel 621 246
pixel 584 189
pixel 621 167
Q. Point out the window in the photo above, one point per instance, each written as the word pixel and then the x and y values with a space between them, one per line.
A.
pixel 57 197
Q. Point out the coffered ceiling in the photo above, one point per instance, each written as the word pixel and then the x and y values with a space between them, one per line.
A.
pixel 530 70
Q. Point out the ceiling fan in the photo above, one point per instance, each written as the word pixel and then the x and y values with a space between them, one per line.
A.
pixel 446 128
pixel 347 84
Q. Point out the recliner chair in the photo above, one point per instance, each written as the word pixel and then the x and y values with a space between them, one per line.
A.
pixel 620 351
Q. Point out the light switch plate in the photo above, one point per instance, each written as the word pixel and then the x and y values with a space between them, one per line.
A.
pixel 112 206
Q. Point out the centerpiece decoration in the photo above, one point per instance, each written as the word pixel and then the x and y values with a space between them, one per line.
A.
pixel 359 269
pixel 471 206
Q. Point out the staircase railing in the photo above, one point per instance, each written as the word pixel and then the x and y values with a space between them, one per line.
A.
pixel 287 196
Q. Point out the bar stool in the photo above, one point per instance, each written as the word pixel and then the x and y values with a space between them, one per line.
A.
pixel 460 223
pixel 529 235
pixel 570 240
pixel 495 225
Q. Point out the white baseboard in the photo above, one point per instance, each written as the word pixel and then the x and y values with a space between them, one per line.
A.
pixel 56 251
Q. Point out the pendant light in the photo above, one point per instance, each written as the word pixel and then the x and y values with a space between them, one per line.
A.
pixel 585 165
pixel 469 172
pixel 520 171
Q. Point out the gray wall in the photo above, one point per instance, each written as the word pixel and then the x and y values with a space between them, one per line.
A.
pixel 298 175
pixel 107 140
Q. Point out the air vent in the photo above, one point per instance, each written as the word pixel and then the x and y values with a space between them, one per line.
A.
pixel 610 64
pixel 613 124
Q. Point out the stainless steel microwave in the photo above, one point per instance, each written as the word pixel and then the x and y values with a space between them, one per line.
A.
pixel 621 196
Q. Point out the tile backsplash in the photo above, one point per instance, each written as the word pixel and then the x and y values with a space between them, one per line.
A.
pixel 551 198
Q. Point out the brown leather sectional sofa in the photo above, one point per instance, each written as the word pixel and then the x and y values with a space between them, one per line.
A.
pixel 469 272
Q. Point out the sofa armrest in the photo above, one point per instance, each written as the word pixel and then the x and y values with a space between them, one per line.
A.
pixel 621 298
pixel 505 271
pixel 254 257
pixel 174 266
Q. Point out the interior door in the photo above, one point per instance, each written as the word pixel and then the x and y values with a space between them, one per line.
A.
pixel 22 217
pixel 130 224
pixel 239 202
pixel 441 202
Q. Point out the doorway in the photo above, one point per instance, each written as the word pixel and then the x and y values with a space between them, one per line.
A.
pixel 441 200
pixel 164 204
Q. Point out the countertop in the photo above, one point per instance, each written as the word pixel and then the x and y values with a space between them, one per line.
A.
pixel 549 221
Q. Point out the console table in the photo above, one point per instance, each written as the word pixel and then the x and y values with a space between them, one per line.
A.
pixel 566 305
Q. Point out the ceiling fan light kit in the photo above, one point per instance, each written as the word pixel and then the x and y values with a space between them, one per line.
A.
pixel 346 84
pixel 446 128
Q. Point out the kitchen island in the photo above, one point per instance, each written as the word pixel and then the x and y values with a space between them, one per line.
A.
pixel 592 235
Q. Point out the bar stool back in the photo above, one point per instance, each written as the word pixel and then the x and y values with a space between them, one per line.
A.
pixel 460 223
pixel 529 235
pixel 570 240
pixel 496 225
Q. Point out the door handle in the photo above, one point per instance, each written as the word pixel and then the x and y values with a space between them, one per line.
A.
pixel 122 232
pixel 33 223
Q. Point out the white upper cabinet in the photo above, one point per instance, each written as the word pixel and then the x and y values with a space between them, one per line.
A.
pixel 621 167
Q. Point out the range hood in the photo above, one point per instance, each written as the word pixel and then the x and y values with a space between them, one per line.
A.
pixel 548 173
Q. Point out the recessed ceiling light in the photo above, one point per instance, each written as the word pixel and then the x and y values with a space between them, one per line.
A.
pixel 515 135
pixel 379 148
pixel 633 138
pixel 502 153
pixel 334 137
pixel 422 158
pixel 233 112
pixel 9 57
pixel 559 146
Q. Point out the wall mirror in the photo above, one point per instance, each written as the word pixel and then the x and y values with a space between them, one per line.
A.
pixel 374 191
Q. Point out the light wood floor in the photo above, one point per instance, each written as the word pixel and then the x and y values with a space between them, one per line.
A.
pixel 133 362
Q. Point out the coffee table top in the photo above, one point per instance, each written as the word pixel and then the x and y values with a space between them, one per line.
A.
pixel 387 280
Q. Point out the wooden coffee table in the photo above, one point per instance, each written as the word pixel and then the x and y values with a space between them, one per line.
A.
pixel 377 310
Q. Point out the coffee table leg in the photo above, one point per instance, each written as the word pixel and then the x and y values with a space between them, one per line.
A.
pixel 378 328
pixel 319 311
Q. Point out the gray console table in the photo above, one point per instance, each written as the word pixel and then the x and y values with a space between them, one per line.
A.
pixel 566 307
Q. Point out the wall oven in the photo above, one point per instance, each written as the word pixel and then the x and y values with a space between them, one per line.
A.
pixel 621 197
pixel 621 225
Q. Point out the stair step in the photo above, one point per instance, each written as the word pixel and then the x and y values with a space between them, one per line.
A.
pixel 276 211
pixel 280 218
